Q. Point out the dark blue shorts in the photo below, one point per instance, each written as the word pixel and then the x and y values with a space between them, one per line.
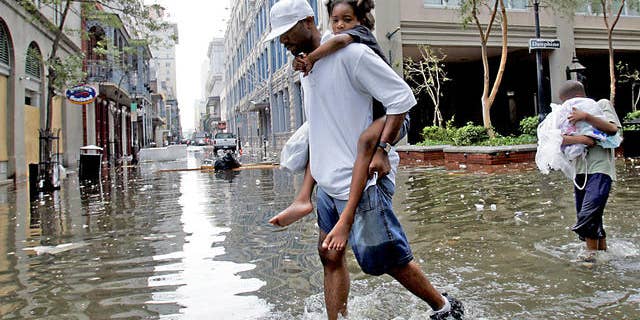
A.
pixel 590 204
pixel 376 237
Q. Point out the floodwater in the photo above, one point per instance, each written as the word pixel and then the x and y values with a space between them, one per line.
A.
pixel 150 244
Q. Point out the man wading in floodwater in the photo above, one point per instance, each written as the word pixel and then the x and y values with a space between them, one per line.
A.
pixel 338 96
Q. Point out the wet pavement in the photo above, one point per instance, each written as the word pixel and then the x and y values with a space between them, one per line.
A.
pixel 151 244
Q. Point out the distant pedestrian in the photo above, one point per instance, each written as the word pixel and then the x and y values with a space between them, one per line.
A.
pixel 595 172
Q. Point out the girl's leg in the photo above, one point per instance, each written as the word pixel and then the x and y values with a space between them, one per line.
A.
pixel 301 205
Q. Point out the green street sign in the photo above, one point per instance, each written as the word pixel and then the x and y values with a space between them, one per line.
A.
pixel 134 106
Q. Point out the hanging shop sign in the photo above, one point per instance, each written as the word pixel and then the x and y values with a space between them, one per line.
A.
pixel 82 94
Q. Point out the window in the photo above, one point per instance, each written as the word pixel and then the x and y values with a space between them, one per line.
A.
pixel 631 8
pixel 31 98
pixel 4 45
pixel 517 4
pixel 33 65
pixel 441 3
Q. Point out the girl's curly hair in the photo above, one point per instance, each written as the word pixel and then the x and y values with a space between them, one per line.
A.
pixel 361 8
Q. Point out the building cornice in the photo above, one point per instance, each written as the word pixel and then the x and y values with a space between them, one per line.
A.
pixel 65 41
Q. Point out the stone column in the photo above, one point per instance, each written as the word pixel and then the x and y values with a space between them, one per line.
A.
pixel 561 58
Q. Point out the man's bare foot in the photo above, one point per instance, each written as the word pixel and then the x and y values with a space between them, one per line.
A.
pixel 337 238
pixel 293 213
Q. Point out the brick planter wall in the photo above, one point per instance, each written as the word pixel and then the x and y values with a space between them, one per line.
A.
pixel 490 158
pixel 431 156
pixel 481 159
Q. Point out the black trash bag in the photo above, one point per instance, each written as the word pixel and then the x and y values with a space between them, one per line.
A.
pixel 226 163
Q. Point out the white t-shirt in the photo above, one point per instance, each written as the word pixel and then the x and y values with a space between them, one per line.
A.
pixel 338 102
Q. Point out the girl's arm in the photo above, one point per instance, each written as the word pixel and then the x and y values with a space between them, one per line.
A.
pixel 330 46
pixel 602 125
pixel 578 140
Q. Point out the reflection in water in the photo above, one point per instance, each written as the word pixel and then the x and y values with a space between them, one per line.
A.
pixel 196 245
pixel 207 288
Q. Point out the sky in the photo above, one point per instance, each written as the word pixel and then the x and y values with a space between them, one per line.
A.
pixel 198 21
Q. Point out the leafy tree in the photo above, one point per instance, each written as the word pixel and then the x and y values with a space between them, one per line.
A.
pixel 470 11
pixel 428 73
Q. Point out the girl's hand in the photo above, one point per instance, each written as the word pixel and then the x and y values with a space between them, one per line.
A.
pixel 299 64
pixel 308 62
pixel 577 115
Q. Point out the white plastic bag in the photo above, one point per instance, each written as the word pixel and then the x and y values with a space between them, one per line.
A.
pixel 295 153
pixel 549 154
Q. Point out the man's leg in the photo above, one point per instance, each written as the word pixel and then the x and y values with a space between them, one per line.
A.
pixel 336 279
pixel 412 278
pixel 336 275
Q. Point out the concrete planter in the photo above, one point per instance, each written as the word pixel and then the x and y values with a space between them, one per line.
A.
pixel 431 156
pixel 484 159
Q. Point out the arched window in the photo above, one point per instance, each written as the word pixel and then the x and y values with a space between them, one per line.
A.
pixel 34 61
pixel 4 45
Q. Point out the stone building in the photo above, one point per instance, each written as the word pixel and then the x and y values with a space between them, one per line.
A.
pixel 262 98
pixel 25 41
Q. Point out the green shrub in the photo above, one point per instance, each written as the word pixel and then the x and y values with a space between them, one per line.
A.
pixel 469 134
pixel 529 125
pixel 472 135
pixel 632 116
pixel 435 134
pixel 509 141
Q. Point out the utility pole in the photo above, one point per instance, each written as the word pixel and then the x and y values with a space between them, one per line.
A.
pixel 542 110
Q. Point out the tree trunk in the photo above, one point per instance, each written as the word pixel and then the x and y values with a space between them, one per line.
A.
pixel 51 76
pixel 486 104
pixel 612 71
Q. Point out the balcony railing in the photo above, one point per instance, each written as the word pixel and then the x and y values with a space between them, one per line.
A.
pixel 104 71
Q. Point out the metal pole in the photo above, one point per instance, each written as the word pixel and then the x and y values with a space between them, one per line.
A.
pixel 542 110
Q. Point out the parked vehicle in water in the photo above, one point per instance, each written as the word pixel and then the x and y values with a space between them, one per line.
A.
pixel 224 141
pixel 200 139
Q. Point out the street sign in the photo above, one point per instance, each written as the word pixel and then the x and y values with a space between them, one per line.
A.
pixel 134 107
pixel 538 43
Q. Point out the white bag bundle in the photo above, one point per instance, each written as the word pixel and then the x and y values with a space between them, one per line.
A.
pixel 549 154
pixel 295 153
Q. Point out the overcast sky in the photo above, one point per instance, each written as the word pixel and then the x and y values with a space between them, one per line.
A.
pixel 199 21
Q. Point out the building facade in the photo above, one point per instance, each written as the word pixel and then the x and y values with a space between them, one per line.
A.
pixel 119 121
pixel 164 72
pixel 25 41
pixel 261 99
pixel 437 23
pixel 210 115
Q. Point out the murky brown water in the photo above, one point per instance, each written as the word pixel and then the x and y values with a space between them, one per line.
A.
pixel 192 245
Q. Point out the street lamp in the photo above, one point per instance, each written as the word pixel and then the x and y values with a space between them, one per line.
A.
pixel 390 35
pixel 575 67
pixel 542 109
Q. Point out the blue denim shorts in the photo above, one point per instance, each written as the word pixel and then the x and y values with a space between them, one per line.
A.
pixel 377 239
pixel 590 203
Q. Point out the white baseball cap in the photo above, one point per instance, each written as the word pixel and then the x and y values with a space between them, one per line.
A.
pixel 285 14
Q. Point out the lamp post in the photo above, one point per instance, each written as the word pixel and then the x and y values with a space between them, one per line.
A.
pixel 575 67
pixel 390 35
pixel 542 110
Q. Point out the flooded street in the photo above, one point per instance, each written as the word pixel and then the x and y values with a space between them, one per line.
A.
pixel 196 245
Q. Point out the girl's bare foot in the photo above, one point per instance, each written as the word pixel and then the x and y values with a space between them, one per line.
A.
pixel 337 238
pixel 293 213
